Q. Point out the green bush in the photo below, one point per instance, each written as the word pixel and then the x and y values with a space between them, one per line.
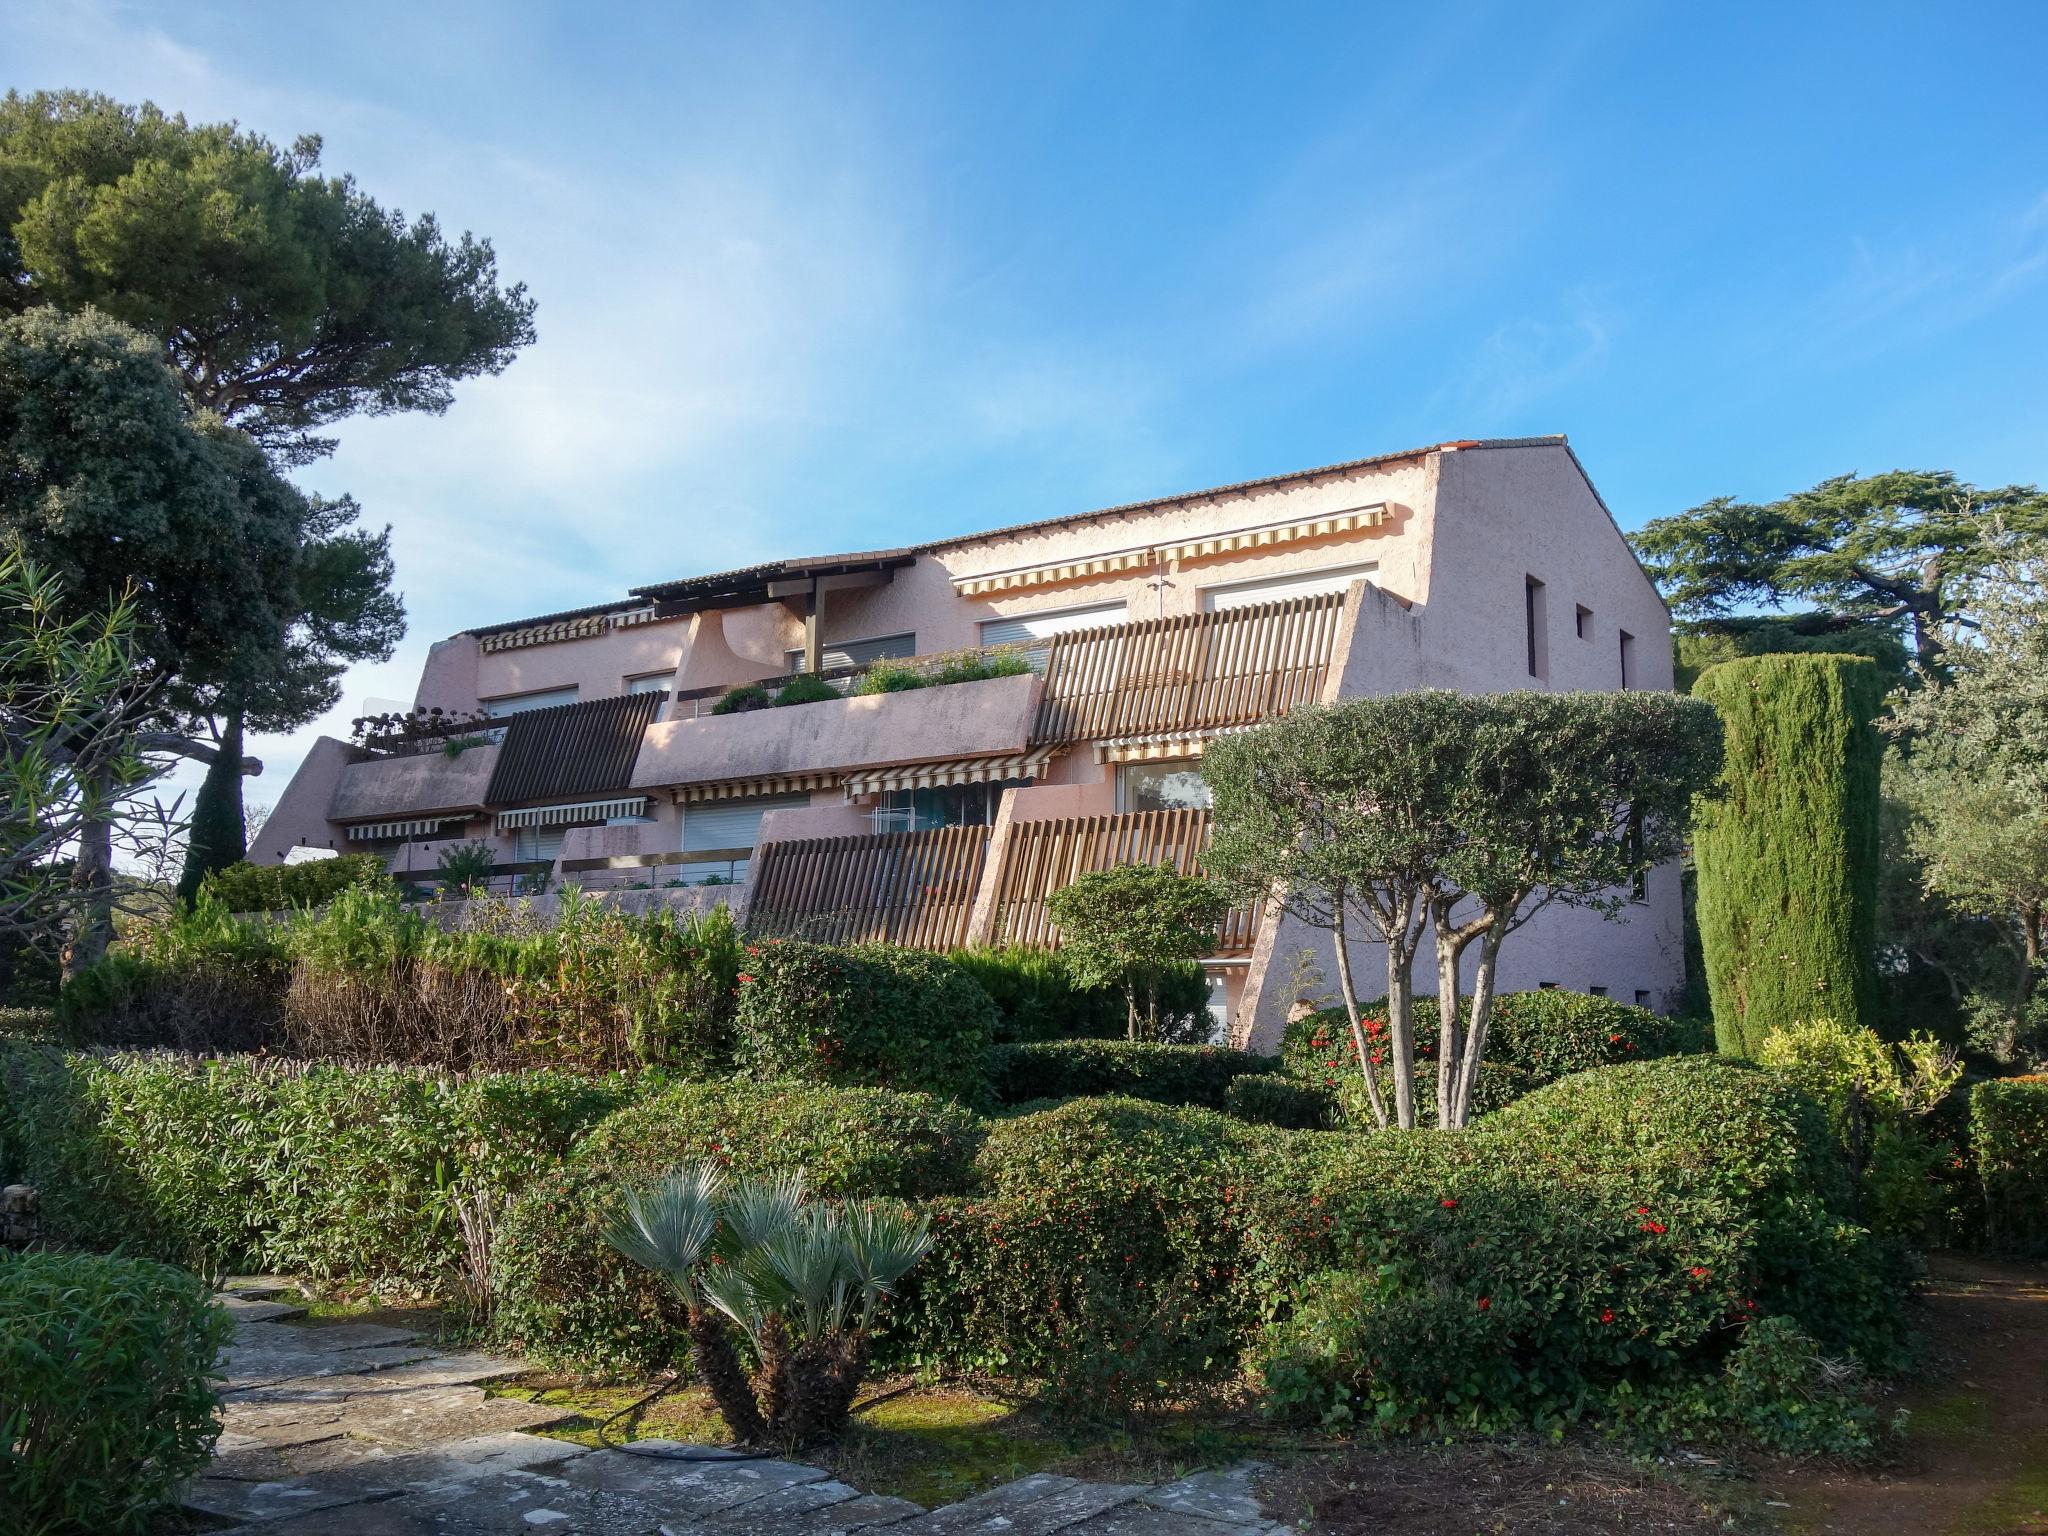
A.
pixel 205 981
pixel 1037 998
pixel 1287 1102
pixel 2009 1134
pixel 108 1390
pixel 866 1015
pixel 892 675
pixel 737 701
pixel 1165 1074
pixel 805 689
pixel 367 978
pixel 246 887
pixel 246 1163
pixel 1590 1243
pixel 1705 1125
pixel 1788 852
pixel 1102 1256
pixel 568 1298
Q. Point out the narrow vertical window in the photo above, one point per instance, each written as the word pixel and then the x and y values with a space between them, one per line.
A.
pixel 1532 618
pixel 1583 622
pixel 1628 659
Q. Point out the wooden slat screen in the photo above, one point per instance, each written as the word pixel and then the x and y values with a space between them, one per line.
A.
pixel 911 888
pixel 1188 672
pixel 1043 856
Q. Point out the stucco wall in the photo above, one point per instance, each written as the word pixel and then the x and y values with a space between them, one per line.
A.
pixel 1501 515
pixel 299 819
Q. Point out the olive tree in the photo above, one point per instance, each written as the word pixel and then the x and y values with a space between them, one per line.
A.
pixel 1127 927
pixel 1457 818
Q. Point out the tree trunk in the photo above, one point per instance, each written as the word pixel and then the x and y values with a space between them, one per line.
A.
pixel 93 874
pixel 218 836
pixel 1372 1087
pixel 1482 1016
pixel 1450 948
pixel 1401 1028
pixel 2030 956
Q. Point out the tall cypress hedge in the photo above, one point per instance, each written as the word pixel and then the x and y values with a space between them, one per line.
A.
pixel 1788 855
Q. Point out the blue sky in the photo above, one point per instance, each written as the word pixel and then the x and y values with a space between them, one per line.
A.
pixel 842 276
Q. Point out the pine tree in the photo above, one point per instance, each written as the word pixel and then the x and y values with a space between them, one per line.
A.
pixel 1788 851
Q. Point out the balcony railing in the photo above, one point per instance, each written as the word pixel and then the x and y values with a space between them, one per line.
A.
pixel 913 888
pixel 1046 856
pixel 1190 672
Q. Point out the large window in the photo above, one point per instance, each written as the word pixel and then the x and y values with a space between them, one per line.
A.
pixel 1170 786
pixel 731 828
pixel 947 805
pixel 834 655
pixel 1271 589
pixel 651 682
pixel 520 703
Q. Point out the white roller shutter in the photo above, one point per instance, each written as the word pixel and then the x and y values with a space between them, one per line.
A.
pixel 531 845
pixel 836 654
pixel 520 703
pixel 731 823
pixel 1270 589
pixel 1025 627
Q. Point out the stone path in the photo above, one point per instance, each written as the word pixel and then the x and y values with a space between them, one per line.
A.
pixel 362 1430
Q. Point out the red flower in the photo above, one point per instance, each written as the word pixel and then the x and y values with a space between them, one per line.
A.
pixel 1449 1204
pixel 1607 1317
pixel 1485 1303
pixel 745 977
pixel 1651 1226
pixel 1378 1057
pixel 1699 1272
pixel 1642 1210
pixel 1614 1039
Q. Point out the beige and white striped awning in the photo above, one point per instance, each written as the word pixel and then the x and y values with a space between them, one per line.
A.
pixel 1353 520
pixel 1077 569
pixel 379 831
pixel 1160 749
pixel 770 784
pixel 571 815
pixel 964 770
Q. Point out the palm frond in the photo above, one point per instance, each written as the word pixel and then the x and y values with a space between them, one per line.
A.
pixel 883 1243
pixel 668 1227
pixel 755 1209
pixel 810 1257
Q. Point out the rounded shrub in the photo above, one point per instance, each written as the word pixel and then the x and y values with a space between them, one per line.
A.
pixel 569 1299
pixel 1165 1074
pixel 1036 996
pixel 1101 1256
pixel 110 1394
pixel 1275 1099
pixel 246 887
pixel 869 1015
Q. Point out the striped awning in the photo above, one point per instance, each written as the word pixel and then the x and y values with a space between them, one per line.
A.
pixel 1353 520
pixel 769 784
pixel 574 814
pixel 381 831
pixel 1076 569
pixel 1160 749
pixel 967 770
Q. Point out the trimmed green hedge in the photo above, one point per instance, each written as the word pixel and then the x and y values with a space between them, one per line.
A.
pixel 246 887
pixel 108 1393
pixel 867 1015
pixel 1287 1102
pixel 2009 1132
pixel 1788 851
pixel 1035 996
pixel 248 1163
pixel 1165 1074
pixel 568 1299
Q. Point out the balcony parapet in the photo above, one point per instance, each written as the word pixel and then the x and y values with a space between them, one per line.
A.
pixel 422 785
pixel 957 720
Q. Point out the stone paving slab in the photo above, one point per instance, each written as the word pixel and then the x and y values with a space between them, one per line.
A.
pixel 429 1417
pixel 1224 1494
pixel 826 1508
pixel 688 1489
pixel 265 1365
pixel 244 1310
pixel 1031 1506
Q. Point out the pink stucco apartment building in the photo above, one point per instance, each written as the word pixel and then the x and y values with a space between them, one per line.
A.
pixel 946 814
